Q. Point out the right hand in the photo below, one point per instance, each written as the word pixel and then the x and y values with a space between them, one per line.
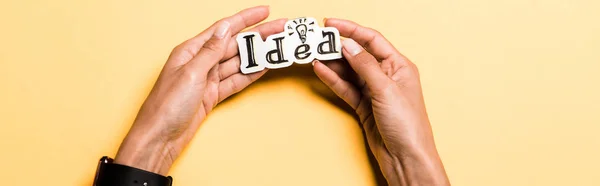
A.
pixel 200 73
pixel 384 89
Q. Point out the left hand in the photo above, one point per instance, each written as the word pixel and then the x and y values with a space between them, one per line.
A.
pixel 199 73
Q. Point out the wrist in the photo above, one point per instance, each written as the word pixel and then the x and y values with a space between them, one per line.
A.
pixel 146 150
pixel 419 167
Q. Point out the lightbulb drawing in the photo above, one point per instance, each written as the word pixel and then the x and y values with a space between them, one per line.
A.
pixel 301 29
pixel 300 26
pixel 302 41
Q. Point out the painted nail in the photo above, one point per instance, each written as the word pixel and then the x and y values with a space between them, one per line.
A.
pixel 222 30
pixel 352 47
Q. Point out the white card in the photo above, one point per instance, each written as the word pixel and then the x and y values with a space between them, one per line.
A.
pixel 301 42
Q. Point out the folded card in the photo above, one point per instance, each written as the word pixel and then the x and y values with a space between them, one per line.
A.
pixel 301 42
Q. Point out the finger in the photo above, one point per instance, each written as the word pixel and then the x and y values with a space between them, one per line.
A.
pixel 232 63
pixel 265 29
pixel 237 82
pixel 364 64
pixel 371 39
pixel 213 50
pixel 229 67
pixel 342 68
pixel 239 21
pixel 339 86
pixel 245 18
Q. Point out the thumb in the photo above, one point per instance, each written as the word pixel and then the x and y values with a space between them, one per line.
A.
pixel 213 50
pixel 364 64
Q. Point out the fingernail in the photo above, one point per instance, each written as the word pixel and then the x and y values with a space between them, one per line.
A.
pixel 324 20
pixel 313 63
pixel 222 30
pixel 352 47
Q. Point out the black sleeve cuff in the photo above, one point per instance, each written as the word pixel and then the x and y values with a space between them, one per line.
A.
pixel 110 174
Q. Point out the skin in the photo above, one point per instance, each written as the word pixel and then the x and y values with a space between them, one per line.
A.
pixel 199 73
pixel 384 89
pixel 379 83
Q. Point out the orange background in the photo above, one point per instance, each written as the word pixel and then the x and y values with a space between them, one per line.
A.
pixel 512 88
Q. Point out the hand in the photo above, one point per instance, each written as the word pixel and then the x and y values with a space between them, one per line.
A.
pixel 383 87
pixel 199 73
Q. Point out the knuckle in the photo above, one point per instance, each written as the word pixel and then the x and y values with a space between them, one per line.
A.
pixel 221 20
pixel 376 32
pixel 234 86
pixel 336 83
pixel 413 66
pixel 183 51
pixel 189 74
pixel 345 94
pixel 364 62
pixel 364 59
pixel 414 69
pixel 211 46
pixel 354 31
pixel 178 49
